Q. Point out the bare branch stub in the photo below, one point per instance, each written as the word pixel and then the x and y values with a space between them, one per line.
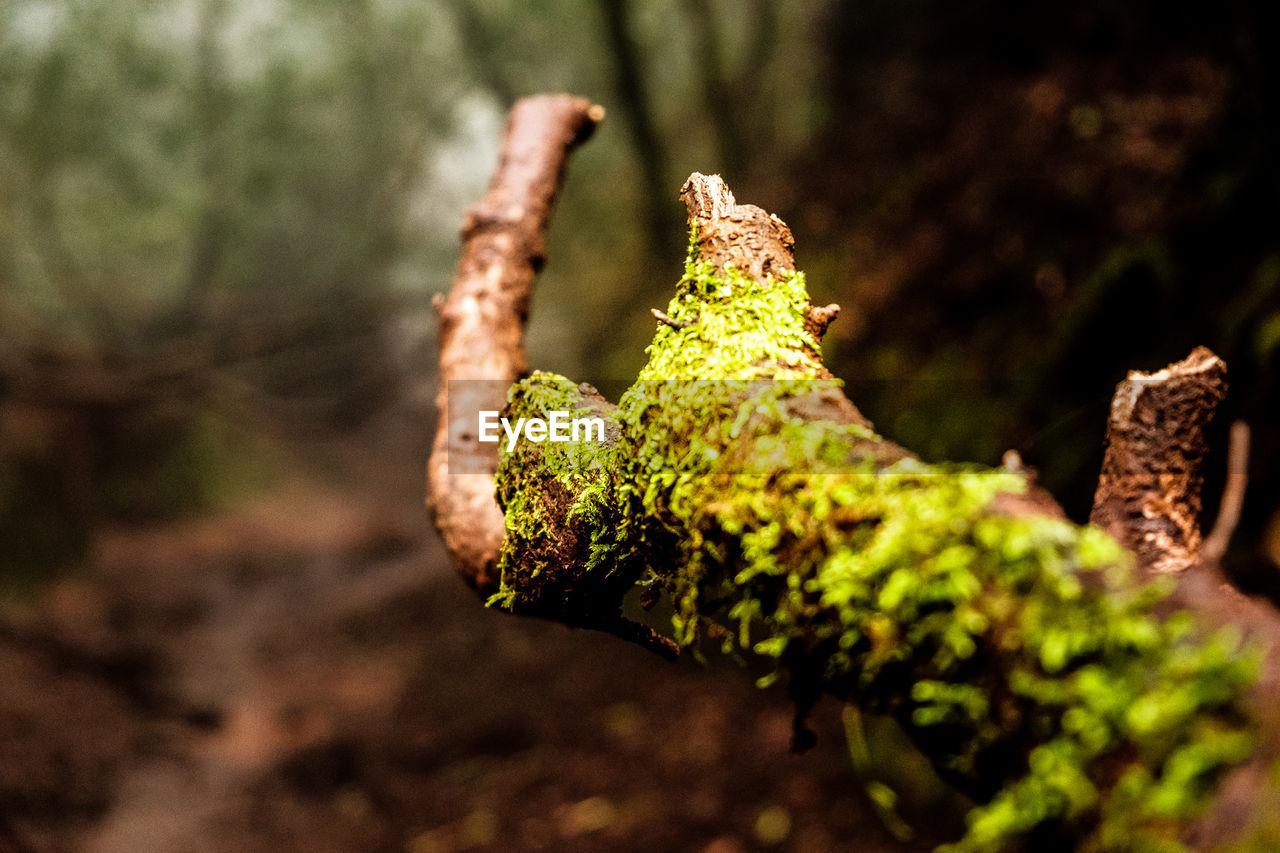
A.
pixel 482 320
pixel 1149 498
pixel 744 236
pixel 1148 494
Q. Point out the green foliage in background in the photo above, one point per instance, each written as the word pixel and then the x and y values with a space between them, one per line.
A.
pixel 219 193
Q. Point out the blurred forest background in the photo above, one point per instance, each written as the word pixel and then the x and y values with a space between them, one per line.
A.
pixel 222 223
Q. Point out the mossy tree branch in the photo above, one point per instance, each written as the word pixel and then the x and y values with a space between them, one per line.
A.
pixel 1025 655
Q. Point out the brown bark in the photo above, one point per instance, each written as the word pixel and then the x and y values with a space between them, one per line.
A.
pixel 740 235
pixel 1148 494
pixel 482 320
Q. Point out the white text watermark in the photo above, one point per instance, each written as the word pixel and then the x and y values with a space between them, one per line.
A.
pixel 557 427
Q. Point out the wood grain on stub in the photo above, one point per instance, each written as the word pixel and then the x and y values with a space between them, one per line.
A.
pixel 743 236
pixel 747 238
pixel 1148 494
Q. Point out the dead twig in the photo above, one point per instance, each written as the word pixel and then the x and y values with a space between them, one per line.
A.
pixel 668 321
pixel 482 319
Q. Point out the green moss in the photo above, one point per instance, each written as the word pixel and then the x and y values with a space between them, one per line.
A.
pixel 737 329
pixel 1015 651
pixel 548 487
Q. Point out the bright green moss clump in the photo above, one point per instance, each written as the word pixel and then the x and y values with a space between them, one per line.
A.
pixel 554 498
pixel 738 329
pixel 1014 650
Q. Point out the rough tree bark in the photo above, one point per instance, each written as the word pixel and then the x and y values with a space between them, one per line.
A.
pixel 482 319
pixel 1028 657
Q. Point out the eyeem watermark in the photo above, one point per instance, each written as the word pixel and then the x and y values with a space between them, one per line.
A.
pixel 750 417
pixel 556 427
pixel 478 428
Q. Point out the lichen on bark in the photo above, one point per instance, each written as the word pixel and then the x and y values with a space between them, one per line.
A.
pixel 1018 650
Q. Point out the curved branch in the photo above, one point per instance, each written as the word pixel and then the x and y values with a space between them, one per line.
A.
pixel 482 319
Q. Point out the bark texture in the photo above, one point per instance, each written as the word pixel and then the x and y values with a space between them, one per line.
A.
pixel 482 320
pixel 1148 494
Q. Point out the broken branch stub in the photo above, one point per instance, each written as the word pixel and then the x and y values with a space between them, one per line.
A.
pixel 1148 493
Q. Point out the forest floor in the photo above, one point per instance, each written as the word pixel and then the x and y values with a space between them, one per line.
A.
pixel 304 672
